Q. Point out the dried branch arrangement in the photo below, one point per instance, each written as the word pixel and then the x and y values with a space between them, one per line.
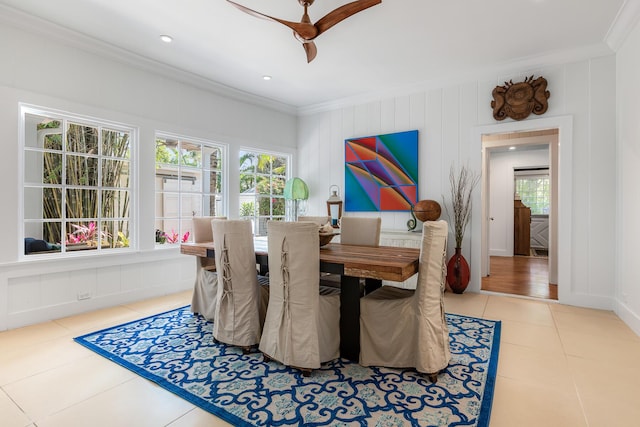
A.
pixel 462 185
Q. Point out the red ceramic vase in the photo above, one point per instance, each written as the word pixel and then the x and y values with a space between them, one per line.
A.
pixel 458 273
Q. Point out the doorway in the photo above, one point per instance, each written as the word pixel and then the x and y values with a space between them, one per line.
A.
pixel 520 260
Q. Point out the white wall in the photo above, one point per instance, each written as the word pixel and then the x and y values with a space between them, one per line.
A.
pixel 447 119
pixel 501 195
pixel 628 179
pixel 59 70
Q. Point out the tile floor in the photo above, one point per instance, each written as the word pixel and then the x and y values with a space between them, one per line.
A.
pixel 559 366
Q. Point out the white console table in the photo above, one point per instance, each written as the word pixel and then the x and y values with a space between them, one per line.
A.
pixel 402 239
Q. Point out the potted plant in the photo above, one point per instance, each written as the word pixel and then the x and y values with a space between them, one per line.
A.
pixel 462 184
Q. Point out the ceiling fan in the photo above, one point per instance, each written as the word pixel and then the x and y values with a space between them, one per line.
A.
pixel 304 30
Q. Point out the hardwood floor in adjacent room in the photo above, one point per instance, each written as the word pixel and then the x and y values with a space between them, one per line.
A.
pixel 520 275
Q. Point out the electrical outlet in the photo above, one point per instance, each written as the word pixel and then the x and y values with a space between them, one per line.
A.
pixel 83 295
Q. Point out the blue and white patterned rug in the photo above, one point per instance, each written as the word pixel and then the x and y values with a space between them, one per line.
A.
pixel 175 350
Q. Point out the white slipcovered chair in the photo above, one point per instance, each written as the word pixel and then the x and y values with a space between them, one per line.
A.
pixel 302 328
pixel 205 288
pixel 241 299
pixel 403 328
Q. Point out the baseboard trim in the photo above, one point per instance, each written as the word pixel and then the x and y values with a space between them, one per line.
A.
pixel 628 316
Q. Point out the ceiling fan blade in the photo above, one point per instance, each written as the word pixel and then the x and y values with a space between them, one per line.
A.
pixel 305 30
pixel 342 13
pixel 311 50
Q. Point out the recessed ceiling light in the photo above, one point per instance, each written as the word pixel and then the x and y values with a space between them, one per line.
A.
pixel 512 148
pixel 266 77
pixel 165 38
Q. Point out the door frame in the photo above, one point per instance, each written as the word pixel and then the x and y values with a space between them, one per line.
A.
pixel 522 142
pixel 480 247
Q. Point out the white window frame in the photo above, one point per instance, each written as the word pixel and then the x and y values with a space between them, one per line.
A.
pixel 289 162
pixel 100 123
pixel 224 187
pixel 533 173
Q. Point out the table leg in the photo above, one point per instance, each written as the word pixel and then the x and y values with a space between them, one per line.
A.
pixel 371 285
pixel 350 318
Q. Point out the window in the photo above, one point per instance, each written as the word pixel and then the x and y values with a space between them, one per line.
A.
pixel 262 179
pixel 532 185
pixel 77 188
pixel 189 176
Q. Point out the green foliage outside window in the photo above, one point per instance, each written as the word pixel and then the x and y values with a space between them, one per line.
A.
pixel 262 177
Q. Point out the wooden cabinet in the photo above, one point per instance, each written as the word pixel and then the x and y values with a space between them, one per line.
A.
pixel 521 228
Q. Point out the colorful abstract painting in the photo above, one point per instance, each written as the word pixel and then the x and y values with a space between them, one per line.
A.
pixel 381 172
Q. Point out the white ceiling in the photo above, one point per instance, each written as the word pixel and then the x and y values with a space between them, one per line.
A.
pixel 392 46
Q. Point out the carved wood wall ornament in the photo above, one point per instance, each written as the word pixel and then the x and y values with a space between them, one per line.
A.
pixel 518 100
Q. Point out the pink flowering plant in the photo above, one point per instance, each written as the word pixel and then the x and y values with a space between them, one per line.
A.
pixel 173 237
pixel 86 234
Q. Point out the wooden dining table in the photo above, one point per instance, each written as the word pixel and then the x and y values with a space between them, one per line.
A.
pixel 351 262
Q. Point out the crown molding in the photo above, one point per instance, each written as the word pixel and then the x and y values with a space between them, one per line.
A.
pixel 35 25
pixel 491 72
pixel 624 22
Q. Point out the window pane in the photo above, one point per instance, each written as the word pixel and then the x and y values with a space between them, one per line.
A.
pixel 247 209
pixel 82 233
pixel 191 205
pixel 214 156
pixel 115 204
pixel 52 202
pixel 115 143
pixel 43 132
pixel 82 170
pixel 247 182
pixel 82 139
pixel 277 204
pixel 264 206
pixel 168 205
pixel 187 230
pixel 42 203
pixel 212 205
pixel 191 154
pixel 52 168
pixel 166 151
pixel 81 203
pixel 166 178
pixel 42 238
pixel 212 182
pixel 263 185
pixel 42 167
pixel 191 180
pixel 534 192
pixel 264 163
pixel 279 166
pixel 277 186
pixel 115 234
pixel 115 173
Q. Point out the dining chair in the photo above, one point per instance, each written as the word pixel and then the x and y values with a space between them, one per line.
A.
pixel 403 328
pixel 302 328
pixel 320 220
pixel 241 300
pixel 363 231
pixel 205 288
